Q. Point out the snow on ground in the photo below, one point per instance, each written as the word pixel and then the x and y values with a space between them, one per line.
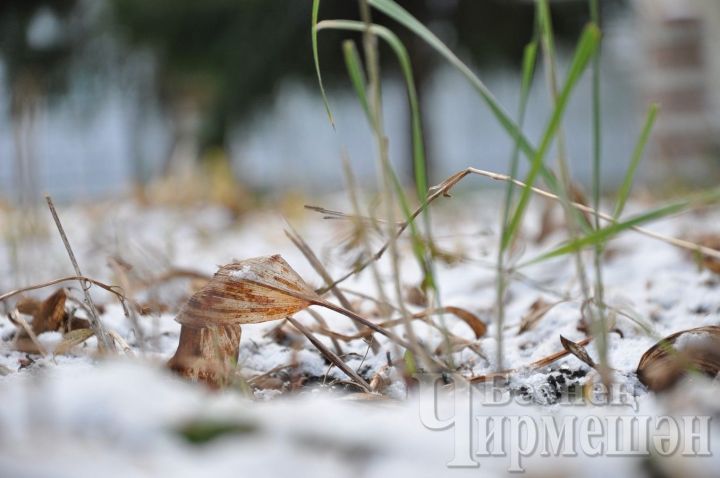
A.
pixel 80 415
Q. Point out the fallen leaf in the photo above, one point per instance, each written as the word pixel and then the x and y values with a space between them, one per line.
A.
pixel 663 364
pixel 578 351
pixel 254 290
pixel 50 314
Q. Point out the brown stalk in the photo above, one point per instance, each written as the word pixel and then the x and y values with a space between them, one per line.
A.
pixel 104 343
pixel 207 354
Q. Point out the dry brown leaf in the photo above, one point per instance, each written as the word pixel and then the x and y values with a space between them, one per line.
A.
pixel 48 316
pixel 477 325
pixel 71 339
pixel 51 313
pixel 248 292
pixel 663 364
pixel 535 313
pixel 28 305
pixel 207 354
pixel 578 351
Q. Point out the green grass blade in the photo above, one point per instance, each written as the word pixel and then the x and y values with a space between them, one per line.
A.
pixel 400 51
pixel 528 67
pixel 402 16
pixel 528 71
pixel 624 191
pixel 547 40
pixel 357 76
pixel 596 125
pixel 316 58
pixel 602 235
pixel 586 48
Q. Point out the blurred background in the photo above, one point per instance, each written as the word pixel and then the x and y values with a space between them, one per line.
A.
pixel 103 97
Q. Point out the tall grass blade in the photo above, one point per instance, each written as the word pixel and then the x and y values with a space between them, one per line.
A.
pixel 402 16
pixel 357 76
pixel 355 69
pixel 624 191
pixel 316 58
pixel 575 220
pixel 586 48
pixel 596 123
pixel 599 319
pixel 403 58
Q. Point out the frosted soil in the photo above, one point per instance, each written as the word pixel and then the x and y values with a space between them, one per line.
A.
pixel 78 414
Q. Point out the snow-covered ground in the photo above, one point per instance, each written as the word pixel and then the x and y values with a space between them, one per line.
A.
pixel 78 414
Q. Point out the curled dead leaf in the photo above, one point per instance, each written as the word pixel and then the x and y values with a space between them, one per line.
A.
pixel 578 351
pixel 248 292
pixel 663 364
pixel 242 292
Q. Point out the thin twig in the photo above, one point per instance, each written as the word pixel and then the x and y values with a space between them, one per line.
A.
pixel 113 289
pixel 330 355
pixel 443 189
pixel 104 343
